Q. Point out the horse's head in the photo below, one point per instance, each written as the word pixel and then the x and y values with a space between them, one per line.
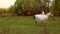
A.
pixel 49 14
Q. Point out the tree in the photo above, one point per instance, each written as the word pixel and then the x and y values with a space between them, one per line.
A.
pixel 18 6
pixel 29 7
pixel 56 7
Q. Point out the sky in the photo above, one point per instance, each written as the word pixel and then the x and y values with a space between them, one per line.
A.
pixel 6 3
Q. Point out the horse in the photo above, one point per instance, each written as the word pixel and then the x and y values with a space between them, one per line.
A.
pixel 42 17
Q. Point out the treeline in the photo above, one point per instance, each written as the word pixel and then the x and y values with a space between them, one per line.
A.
pixel 32 7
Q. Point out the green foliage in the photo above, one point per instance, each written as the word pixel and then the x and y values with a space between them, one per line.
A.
pixel 56 7
pixel 11 9
pixel 18 6
pixel 31 7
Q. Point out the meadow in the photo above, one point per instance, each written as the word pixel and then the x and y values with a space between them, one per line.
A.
pixel 26 25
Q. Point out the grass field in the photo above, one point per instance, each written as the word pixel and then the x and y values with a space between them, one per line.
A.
pixel 26 25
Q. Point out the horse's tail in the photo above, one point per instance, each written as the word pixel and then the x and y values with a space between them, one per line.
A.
pixel 33 17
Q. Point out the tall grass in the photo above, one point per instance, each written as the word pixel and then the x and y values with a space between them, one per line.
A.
pixel 26 25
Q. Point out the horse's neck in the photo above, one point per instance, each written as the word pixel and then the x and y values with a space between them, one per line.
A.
pixel 48 14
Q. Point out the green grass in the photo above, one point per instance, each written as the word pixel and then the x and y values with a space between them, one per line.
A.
pixel 26 25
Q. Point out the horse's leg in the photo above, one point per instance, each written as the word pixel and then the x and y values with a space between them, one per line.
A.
pixel 35 20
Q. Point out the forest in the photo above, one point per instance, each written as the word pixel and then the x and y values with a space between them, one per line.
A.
pixel 32 7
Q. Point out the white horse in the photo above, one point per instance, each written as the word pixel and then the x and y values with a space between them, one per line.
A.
pixel 42 17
